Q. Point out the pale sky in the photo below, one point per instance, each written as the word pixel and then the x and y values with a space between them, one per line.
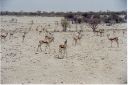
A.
pixel 63 5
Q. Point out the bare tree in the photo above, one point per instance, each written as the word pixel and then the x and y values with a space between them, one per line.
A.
pixel 93 23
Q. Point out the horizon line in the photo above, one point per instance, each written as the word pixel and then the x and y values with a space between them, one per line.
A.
pixel 65 11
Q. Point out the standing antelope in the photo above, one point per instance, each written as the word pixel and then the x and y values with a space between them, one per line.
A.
pixel 113 39
pixel 77 37
pixel 23 36
pixel 46 41
pixel 63 48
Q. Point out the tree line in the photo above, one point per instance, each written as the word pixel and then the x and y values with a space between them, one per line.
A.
pixel 77 17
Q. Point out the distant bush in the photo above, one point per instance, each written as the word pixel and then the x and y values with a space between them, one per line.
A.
pixel 93 23
pixel 77 17
pixel 64 24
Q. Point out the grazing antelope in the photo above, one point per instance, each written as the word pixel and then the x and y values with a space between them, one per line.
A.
pixel 46 41
pixel 63 48
pixel 77 37
pixel 3 35
pixel 113 39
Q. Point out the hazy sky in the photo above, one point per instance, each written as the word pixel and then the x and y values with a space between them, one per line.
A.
pixel 63 5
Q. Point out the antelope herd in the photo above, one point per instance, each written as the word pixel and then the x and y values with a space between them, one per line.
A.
pixel 41 52
pixel 49 37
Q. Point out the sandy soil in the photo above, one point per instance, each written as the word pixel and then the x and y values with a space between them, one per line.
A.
pixel 91 61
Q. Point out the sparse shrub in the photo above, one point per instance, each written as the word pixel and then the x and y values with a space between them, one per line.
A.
pixel 64 24
pixel 93 23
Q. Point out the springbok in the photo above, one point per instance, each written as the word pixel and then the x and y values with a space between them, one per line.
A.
pixel 47 40
pixel 77 37
pixel 23 36
pixel 113 39
pixel 63 48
